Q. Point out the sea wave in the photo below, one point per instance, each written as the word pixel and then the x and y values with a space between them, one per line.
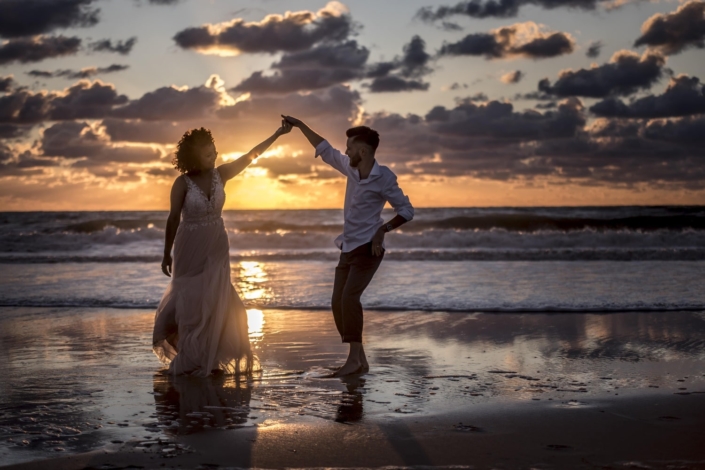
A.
pixel 464 308
pixel 509 222
pixel 547 254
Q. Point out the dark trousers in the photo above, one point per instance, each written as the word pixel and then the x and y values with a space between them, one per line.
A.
pixel 352 276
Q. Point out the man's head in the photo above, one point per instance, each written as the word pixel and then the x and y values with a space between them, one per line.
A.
pixel 362 144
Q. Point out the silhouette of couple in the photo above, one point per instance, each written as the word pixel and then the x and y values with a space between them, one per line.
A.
pixel 201 323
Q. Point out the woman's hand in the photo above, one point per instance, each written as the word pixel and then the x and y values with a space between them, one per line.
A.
pixel 285 128
pixel 166 264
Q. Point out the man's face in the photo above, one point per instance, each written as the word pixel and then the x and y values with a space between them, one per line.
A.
pixel 354 151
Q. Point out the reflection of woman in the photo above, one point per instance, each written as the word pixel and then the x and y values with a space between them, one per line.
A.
pixel 201 324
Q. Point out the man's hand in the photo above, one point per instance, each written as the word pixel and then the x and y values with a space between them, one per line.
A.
pixel 377 241
pixel 166 264
pixel 285 127
pixel 293 121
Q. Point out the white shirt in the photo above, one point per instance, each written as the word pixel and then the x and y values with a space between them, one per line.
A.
pixel 364 199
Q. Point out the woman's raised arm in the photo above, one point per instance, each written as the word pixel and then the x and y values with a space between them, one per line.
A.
pixel 230 170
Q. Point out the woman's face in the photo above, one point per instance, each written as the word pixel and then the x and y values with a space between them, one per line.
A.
pixel 207 156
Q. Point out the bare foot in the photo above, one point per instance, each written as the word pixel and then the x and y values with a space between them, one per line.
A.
pixel 349 368
pixel 363 361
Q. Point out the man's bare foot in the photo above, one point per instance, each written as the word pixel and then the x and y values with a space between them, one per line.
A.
pixel 363 361
pixel 349 368
pixel 353 365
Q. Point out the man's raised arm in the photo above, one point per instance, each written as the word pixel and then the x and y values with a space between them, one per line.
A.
pixel 312 137
pixel 328 154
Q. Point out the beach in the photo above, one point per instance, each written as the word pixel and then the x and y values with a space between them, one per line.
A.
pixel 477 390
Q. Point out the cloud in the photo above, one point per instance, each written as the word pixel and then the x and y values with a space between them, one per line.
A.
pixel 625 74
pixel 319 67
pixel 120 47
pixel 20 18
pixel 12 131
pixel 74 139
pixel 594 49
pixel 493 141
pixel 121 130
pixel 86 72
pixel 6 83
pixel 672 33
pixel 171 104
pixel 83 100
pixel 512 77
pixel 293 31
pixel 684 96
pixel 164 2
pixel 403 73
pixel 688 130
pixel 494 9
pixel 393 83
pixel 36 49
pixel 518 40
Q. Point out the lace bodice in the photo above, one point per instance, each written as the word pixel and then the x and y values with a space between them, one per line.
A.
pixel 198 210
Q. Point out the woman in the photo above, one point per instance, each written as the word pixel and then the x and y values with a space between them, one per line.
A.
pixel 201 324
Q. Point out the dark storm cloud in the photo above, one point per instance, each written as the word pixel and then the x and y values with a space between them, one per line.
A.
pixel 494 9
pixel 87 72
pixel 320 67
pixel 171 104
pixel 83 100
pixel 674 32
pixel 31 17
pixel 684 96
pixel 26 50
pixel 164 2
pixel 403 73
pixel 625 74
pixel 518 40
pixel 594 49
pixel 120 47
pixel 75 139
pixel 6 84
pixel 293 31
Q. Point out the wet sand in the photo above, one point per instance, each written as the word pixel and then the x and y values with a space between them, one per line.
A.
pixel 625 390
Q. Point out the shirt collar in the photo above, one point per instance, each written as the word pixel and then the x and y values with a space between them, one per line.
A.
pixel 375 173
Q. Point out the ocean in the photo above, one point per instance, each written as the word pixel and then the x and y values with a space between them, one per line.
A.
pixel 584 259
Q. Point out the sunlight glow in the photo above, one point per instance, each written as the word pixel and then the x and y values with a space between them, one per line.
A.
pixel 255 323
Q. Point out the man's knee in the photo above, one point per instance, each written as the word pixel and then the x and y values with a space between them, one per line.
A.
pixel 350 298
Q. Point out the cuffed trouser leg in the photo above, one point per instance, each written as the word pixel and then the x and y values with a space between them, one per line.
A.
pixel 352 276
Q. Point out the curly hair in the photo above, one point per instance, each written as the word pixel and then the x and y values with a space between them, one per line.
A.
pixel 186 156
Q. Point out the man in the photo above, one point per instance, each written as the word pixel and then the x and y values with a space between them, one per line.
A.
pixel 369 187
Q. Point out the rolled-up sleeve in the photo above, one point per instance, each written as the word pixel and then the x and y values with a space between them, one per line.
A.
pixel 397 199
pixel 332 157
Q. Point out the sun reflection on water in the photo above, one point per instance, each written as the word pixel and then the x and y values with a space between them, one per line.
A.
pixel 252 279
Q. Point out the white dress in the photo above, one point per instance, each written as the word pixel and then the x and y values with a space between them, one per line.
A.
pixel 201 324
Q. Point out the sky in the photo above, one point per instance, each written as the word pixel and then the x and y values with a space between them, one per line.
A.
pixel 478 103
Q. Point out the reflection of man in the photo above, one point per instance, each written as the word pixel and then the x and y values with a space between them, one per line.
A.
pixel 369 187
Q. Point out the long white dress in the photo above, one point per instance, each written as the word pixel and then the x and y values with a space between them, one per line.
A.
pixel 201 324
